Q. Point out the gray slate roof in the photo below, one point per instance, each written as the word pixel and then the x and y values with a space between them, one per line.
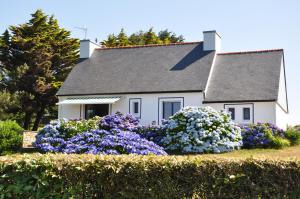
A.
pixel 252 76
pixel 170 68
pixel 245 76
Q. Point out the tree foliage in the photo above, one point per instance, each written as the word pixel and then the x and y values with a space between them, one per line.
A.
pixel 141 38
pixel 35 58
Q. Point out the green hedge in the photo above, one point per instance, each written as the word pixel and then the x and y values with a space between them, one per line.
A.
pixel 129 176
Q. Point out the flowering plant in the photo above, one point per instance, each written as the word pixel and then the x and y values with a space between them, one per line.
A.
pixel 113 134
pixel 52 137
pixel 111 142
pixel 153 133
pixel 198 130
pixel 125 122
pixel 263 135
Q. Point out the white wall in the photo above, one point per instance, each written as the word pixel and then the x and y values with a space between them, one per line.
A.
pixel 282 95
pixel 149 105
pixel 70 111
pixel 281 117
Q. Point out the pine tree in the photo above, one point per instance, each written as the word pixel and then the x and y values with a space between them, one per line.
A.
pixel 142 38
pixel 137 38
pixel 150 37
pixel 110 42
pixel 122 39
pixel 41 55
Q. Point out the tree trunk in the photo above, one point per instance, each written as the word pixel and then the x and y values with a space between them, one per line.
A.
pixel 27 120
pixel 38 118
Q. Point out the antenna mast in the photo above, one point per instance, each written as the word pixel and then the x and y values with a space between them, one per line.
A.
pixel 83 29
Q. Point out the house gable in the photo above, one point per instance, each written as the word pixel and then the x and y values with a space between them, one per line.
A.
pixel 245 77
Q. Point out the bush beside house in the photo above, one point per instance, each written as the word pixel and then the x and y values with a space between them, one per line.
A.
pixel 112 134
pixel 10 137
pixel 266 135
pixel 200 130
pixel 191 130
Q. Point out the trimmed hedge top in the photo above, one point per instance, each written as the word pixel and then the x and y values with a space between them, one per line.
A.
pixel 135 176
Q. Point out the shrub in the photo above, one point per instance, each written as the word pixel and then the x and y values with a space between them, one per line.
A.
pixel 293 135
pixel 198 130
pixel 279 142
pixel 111 142
pixel 152 132
pixel 10 137
pixel 113 134
pixel 52 137
pixel 263 135
pixel 130 176
pixel 119 121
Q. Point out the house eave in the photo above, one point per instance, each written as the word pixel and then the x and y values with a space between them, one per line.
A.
pixel 128 93
pixel 238 101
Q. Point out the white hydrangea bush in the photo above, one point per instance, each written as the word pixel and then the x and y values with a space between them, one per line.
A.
pixel 201 130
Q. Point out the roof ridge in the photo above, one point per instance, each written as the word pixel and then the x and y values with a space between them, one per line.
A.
pixel 149 45
pixel 253 51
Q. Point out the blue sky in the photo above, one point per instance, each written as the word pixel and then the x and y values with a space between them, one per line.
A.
pixel 243 25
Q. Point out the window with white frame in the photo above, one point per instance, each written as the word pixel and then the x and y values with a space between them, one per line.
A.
pixel 169 106
pixel 135 107
pixel 241 113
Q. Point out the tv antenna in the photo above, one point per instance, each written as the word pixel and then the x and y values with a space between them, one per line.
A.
pixel 82 29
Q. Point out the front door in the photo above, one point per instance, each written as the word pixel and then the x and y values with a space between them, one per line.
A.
pixel 92 110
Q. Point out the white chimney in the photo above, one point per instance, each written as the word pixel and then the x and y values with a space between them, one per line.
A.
pixel 211 40
pixel 87 48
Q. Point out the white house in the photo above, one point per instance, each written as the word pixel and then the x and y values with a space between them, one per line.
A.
pixel 153 82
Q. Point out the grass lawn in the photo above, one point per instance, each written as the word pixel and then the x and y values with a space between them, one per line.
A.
pixel 282 154
pixel 286 153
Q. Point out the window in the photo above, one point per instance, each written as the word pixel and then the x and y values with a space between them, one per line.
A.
pixel 246 113
pixel 232 112
pixel 242 113
pixel 135 107
pixel 92 110
pixel 170 108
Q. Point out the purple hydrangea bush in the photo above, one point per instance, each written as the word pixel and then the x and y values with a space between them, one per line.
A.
pixel 153 133
pixel 51 138
pixel 111 142
pixel 112 134
pixel 119 121
pixel 263 135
